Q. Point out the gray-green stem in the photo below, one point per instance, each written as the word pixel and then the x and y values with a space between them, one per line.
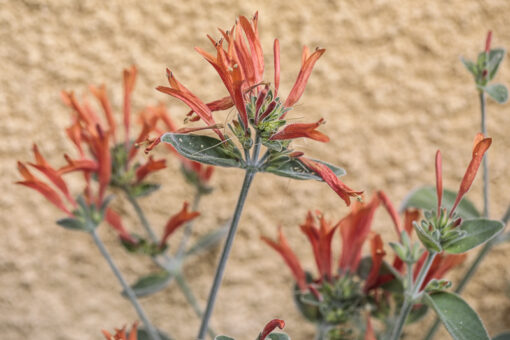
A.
pixel 131 295
pixel 188 293
pixel 139 212
pixel 488 246
pixel 218 277
pixel 412 291
pixel 322 331
pixel 183 285
pixel 484 161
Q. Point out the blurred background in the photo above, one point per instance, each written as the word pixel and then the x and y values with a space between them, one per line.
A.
pixel 390 86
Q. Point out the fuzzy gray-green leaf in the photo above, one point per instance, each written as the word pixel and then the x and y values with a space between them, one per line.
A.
pixel 498 92
pixel 476 232
pixel 294 168
pixel 458 317
pixel 205 149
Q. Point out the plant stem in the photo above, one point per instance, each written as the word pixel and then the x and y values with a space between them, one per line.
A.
pixel 322 331
pixel 190 297
pixel 410 296
pixel 226 251
pixel 488 246
pixel 183 284
pixel 131 295
pixel 145 223
pixel 484 160
pixel 189 225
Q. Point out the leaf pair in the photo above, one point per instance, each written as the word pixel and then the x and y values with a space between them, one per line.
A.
pixel 209 150
pixel 474 230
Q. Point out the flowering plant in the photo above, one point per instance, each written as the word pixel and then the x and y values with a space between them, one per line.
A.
pixel 360 297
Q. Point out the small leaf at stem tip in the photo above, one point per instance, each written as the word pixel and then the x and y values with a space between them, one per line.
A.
pixel 426 239
pixel 204 149
pixel 458 317
pixel 150 284
pixel 72 224
pixel 498 92
pixel 476 232
pixel 471 66
pixel 144 335
pixel 425 198
pixel 294 168
pixel 223 337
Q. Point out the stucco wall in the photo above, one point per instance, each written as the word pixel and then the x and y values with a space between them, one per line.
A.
pixel 390 86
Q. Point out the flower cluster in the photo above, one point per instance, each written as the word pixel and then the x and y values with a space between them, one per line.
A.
pixel 239 62
pixel 105 161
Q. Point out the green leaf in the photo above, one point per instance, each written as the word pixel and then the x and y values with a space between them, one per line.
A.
pixel 209 240
pixel 498 92
pixel 144 335
pixel 223 337
pixel 496 55
pixel 278 336
pixel 205 149
pixel 471 66
pixel 72 224
pixel 144 189
pixel 459 318
pixel 294 168
pixel 150 284
pixel 425 198
pixel 502 336
pixel 476 232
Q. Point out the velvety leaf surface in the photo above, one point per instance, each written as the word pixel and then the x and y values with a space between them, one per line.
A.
pixel 498 92
pixel 457 316
pixel 477 232
pixel 205 149
pixel 294 168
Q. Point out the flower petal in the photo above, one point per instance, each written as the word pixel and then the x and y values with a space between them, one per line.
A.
pixel 290 258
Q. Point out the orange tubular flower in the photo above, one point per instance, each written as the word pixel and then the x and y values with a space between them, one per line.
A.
pixel 115 221
pixel 270 326
pixel 178 91
pixel 354 229
pixel 176 221
pixel 283 248
pixel 307 63
pixel 239 61
pixel 120 334
pixel 378 253
pixel 320 238
pixel 332 180
pixel 307 130
pixel 481 145
pixel 32 182
pixel 149 167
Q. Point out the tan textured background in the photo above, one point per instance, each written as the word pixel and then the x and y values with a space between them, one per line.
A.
pixel 390 86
